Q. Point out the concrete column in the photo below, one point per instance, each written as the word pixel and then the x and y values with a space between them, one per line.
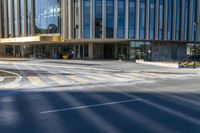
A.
pixel 64 19
pixel 80 19
pixel 137 19
pixel 32 17
pixel 5 18
pixel 190 28
pixel 115 18
pixel 126 18
pixel 156 19
pixel 25 18
pixel 70 19
pixel 182 30
pixel 91 51
pixel 147 19
pixel 104 19
pixel 165 19
pixel 174 20
pixel 1 33
pixel 18 32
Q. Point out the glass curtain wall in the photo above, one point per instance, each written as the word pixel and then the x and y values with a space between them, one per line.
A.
pixel 131 27
pixel 15 17
pixel 194 17
pixel 22 16
pixel 109 18
pixel 9 21
pixel 98 18
pixel 161 14
pixel 86 18
pixel 47 16
pixel 29 16
pixel 178 18
pixel 186 19
pixel 142 18
pixel 121 18
pixel 152 19
pixel 76 18
pixel 169 20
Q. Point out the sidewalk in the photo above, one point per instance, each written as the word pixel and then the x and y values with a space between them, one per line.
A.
pixel 14 59
pixel 163 64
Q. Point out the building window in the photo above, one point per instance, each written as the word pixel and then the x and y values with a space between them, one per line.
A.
pixel 109 18
pixel 152 18
pixel 76 18
pixel 169 20
pixel 22 16
pixel 29 16
pixel 186 19
pixel 47 16
pixel 178 17
pixel 121 19
pixel 98 18
pixel 86 18
pixel 142 19
pixel 194 16
pixel 161 12
pixel 131 27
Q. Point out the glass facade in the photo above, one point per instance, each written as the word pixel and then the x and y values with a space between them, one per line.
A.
pixel 76 18
pixel 169 19
pixel 142 19
pixel 109 18
pixel 178 18
pixel 86 18
pixel 47 18
pixel 161 15
pixel 121 18
pixel 152 19
pixel 98 18
pixel 186 19
pixel 131 27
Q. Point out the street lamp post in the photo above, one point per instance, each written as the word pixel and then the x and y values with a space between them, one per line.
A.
pixel 196 25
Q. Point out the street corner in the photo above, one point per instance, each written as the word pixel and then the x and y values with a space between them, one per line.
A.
pixel 7 78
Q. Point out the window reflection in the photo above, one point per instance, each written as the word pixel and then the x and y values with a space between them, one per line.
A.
pixel 142 18
pixel 98 19
pixel 109 18
pixel 152 17
pixel 131 28
pixel 47 16
pixel 86 18
pixel 121 18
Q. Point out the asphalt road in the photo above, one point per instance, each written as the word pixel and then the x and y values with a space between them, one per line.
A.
pixel 165 105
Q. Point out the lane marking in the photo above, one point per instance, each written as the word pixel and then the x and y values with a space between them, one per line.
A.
pixel 111 77
pixel 59 80
pixel 129 77
pixel 78 79
pixel 36 81
pixel 90 106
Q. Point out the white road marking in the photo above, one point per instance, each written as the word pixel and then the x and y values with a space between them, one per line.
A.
pixel 59 80
pixel 78 79
pixel 90 106
pixel 36 81
pixel 129 77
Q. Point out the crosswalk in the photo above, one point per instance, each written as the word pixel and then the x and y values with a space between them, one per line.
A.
pixel 81 79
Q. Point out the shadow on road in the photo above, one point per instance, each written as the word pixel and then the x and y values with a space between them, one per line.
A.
pixel 156 112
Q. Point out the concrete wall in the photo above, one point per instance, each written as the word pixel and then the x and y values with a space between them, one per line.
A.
pixel 169 51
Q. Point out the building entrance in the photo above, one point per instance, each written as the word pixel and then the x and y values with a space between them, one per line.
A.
pixel 109 51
